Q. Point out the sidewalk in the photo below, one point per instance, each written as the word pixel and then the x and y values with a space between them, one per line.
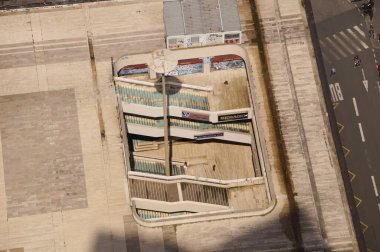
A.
pixel 313 168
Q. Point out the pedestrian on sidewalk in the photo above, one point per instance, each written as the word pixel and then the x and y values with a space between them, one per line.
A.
pixel 332 72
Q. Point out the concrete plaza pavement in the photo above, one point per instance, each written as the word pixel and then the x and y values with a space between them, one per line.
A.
pixel 70 48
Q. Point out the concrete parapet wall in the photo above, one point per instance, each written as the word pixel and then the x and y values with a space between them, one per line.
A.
pixel 156 112
pixel 183 54
pixel 151 84
pixel 188 133
pixel 202 216
pixel 196 180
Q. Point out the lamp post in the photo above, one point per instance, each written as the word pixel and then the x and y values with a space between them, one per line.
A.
pixel 164 61
pixel 166 127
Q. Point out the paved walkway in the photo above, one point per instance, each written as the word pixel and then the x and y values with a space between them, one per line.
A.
pixel 313 168
pixel 49 50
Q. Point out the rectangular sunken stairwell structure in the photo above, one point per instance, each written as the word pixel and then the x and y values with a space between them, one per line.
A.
pixel 42 153
pixel 214 159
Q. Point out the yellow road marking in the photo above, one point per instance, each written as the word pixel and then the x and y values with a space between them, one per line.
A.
pixel 340 127
pixel 346 151
pixel 358 201
pixel 352 175
pixel 335 104
pixel 364 226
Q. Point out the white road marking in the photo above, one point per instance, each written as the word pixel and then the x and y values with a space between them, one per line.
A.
pixel 352 33
pixel 352 43
pixel 328 49
pixel 363 74
pixel 374 186
pixel 344 45
pixel 337 48
pixel 339 91
pixel 359 30
pixel 365 82
pixel 334 97
pixel 336 92
pixel 361 132
pixel 355 106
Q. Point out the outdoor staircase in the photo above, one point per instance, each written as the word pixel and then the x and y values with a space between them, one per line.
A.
pixel 204 194
pixel 153 190
pixel 169 192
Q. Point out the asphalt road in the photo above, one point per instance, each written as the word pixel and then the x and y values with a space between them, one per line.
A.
pixel 342 33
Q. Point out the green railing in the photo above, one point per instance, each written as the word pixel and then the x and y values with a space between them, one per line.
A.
pixel 155 167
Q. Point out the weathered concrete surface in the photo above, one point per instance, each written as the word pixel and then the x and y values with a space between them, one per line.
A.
pixel 43 167
pixel 312 164
pixel 51 51
pixel 46 50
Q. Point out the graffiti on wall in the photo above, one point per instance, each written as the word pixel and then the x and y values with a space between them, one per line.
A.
pixel 196 40
pixel 187 69
pixel 134 69
pixel 224 65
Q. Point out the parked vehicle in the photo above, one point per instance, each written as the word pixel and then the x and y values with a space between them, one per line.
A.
pixel 357 61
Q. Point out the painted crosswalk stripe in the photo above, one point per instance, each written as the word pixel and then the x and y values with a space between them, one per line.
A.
pixel 337 48
pixel 328 50
pixel 353 34
pixel 344 45
pixel 374 185
pixel 359 30
pixel 352 43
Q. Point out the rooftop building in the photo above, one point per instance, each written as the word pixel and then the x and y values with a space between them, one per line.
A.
pixel 191 23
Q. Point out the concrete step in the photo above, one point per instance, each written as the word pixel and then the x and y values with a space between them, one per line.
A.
pixel 205 194
pixel 153 190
